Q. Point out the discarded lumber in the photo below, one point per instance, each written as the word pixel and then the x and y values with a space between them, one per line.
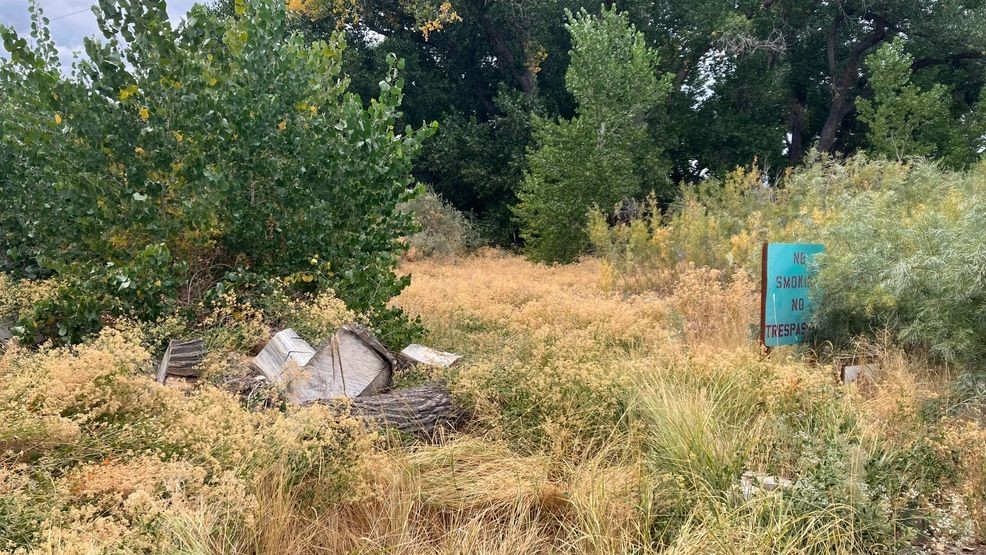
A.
pixel 286 346
pixel 353 363
pixel 420 354
pixel 421 411
pixel 181 359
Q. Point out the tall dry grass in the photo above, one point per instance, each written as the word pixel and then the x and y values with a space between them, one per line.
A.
pixel 602 423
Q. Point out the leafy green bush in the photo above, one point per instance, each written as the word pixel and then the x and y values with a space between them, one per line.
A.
pixel 603 154
pixel 477 165
pixel 175 157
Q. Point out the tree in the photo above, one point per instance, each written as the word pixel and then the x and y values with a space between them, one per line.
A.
pixel 478 165
pixel 603 154
pixel 902 119
pixel 773 76
pixel 177 160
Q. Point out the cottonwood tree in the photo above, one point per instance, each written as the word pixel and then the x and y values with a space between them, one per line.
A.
pixel 605 152
pixel 902 119
pixel 765 75
pixel 177 161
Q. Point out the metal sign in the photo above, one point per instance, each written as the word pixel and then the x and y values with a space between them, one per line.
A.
pixel 785 306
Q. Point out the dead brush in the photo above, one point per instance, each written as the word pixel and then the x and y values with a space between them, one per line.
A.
pixel 715 311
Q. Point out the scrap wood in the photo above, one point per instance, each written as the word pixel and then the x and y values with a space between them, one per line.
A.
pixel 420 354
pixel 181 358
pixel 352 363
pixel 422 411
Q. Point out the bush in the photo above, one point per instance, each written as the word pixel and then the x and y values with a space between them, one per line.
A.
pixel 443 231
pixel 909 256
pixel 714 224
pixel 172 157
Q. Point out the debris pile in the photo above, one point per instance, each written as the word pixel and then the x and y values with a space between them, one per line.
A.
pixel 353 363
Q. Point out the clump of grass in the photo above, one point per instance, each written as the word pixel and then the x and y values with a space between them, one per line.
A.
pixel 701 429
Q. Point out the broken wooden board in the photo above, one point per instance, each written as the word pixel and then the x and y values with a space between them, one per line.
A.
pixel 420 354
pixel 6 330
pixel 286 347
pixel 852 372
pixel 854 366
pixel 353 363
pixel 181 359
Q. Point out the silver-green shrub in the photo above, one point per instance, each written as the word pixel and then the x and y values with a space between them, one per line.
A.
pixel 910 256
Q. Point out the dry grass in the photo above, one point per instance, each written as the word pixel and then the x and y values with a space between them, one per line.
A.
pixel 604 423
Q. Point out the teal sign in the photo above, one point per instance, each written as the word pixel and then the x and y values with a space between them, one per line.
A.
pixel 785 307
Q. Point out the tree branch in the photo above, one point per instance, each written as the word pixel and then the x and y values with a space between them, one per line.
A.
pixel 952 59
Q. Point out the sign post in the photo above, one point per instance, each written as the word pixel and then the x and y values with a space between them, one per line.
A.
pixel 785 305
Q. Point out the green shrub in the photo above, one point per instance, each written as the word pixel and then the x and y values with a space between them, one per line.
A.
pixel 173 158
pixel 910 256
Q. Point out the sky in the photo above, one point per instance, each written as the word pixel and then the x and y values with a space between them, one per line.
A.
pixel 71 21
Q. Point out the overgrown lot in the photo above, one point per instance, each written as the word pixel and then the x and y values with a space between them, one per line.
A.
pixel 221 179
pixel 602 423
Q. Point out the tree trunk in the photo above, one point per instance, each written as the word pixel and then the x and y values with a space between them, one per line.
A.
pixel 842 106
pixel 506 62
pixel 843 82
pixel 798 118
pixel 421 411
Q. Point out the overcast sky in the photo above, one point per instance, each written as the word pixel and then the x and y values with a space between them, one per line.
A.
pixel 71 21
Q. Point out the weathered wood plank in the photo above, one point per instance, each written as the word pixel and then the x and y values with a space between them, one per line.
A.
pixel 181 359
pixel 285 347
pixel 352 363
pixel 420 354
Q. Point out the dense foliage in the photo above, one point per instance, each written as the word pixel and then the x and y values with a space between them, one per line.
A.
pixel 227 150
pixel 604 153
pixel 909 254
pixel 904 245
pixel 246 172
pixel 902 120
pixel 752 80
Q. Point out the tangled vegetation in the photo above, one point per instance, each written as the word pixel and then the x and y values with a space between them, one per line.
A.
pixel 223 180
pixel 601 424
pixel 904 245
